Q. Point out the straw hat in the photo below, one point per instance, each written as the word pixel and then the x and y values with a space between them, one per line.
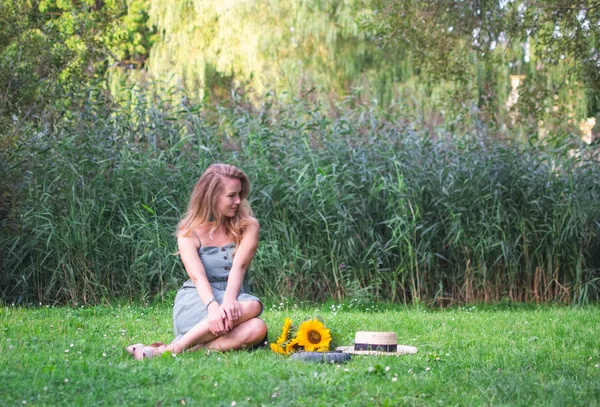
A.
pixel 377 343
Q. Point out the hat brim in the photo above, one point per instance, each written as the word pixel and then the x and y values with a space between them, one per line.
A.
pixel 400 350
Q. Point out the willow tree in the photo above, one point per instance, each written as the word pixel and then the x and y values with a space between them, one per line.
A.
pixel 280 45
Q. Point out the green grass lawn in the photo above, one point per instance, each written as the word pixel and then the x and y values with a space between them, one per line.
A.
pixel 467 356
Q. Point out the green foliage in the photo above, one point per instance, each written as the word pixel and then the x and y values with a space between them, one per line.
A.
pixel 445 37
pixel 91 192
pixel 406 188
pixel 366 205
pixel 50 49
pixel 447 56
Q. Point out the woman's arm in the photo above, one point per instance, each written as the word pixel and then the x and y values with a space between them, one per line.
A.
pixel 188 251
pixel 243 257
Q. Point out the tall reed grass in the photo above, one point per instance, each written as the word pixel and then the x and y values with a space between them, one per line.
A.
pixel 361 204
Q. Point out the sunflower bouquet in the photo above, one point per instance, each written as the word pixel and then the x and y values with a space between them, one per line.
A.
pixel 310 336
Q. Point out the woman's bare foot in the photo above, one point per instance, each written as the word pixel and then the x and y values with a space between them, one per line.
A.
pixel 132 348
pixel 175 348
pixel 140 351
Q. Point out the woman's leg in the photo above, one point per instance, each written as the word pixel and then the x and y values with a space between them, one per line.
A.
pixel 242 336
pixel 234 339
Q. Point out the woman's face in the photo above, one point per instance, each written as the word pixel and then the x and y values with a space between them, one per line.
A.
pixel 229 199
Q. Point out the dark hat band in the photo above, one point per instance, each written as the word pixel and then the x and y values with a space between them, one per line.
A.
pixel 374 347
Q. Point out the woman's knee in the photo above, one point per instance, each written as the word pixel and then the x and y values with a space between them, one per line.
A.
pixel 253 308
pixel 257 329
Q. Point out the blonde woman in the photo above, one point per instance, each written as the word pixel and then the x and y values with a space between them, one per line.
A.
pixel 217 239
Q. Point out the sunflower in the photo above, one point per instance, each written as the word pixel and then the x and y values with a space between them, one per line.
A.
pixel 312 335
pixel 287 324
pixel 277 349
pixel 281 347
pixel 290 347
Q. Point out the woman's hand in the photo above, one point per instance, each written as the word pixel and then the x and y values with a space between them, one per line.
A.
pixel 231 311
pixel 216 323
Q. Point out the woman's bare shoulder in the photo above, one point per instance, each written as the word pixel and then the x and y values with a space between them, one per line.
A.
pixel 253 222
pixel 188 237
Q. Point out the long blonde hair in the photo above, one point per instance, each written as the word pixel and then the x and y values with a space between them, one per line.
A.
pixel 201 209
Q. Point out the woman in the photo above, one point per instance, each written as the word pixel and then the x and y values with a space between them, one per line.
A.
pixel 217 239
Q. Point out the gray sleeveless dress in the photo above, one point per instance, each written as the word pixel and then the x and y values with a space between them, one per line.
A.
pixel 189 309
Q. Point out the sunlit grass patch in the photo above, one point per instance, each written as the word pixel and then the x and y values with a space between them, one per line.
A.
pixel 467 356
